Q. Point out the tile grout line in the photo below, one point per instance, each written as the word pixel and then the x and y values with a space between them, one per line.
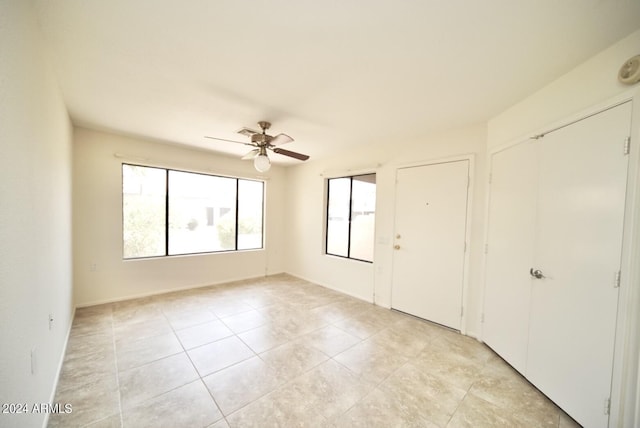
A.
pixel 290 381
pixel 115 358
pixel 194 366
pixel 314 343
pixel 237 336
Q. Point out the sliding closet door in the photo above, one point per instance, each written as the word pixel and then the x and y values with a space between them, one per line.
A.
pixel 581 199
pixel 510 244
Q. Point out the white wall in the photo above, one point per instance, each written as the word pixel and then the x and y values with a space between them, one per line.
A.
pixel 35 216
pixel 305 198
pixel 305 232
pixel 97 226
pixel 593 82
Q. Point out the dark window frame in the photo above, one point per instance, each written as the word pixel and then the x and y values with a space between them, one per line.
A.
pixel 328 198
pixel 166 211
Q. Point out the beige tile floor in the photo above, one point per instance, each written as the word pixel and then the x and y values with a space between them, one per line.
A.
pixel 282 352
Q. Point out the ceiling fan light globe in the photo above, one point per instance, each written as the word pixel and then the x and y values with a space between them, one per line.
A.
pixel 262 163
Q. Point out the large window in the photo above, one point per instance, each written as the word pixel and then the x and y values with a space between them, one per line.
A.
pixel 351 206
pixel 167 212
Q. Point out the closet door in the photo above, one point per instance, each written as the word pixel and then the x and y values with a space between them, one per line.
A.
pixel 581 200
pixel 510 243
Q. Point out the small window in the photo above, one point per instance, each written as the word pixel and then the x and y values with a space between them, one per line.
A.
pixel 351 203
pixel 168 212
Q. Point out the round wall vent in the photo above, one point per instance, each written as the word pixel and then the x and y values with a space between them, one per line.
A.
pixel 630 71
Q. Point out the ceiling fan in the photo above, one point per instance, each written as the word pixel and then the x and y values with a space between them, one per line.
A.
pixel 262 141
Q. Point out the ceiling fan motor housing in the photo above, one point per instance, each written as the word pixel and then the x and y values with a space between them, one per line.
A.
pixel 261 139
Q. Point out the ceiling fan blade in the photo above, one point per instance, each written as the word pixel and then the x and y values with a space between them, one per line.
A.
pixel 280 139
pixel 229 141
pixel 252 154
pixel 291 154
pixel 248 132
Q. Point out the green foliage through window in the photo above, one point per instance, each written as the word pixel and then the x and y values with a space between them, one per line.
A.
pixel 168 212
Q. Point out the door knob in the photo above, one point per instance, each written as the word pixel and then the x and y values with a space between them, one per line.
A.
pixel 536 273
pixel 396 247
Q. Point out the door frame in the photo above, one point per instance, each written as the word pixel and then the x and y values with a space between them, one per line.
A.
pixel 625 382
pixel 470 157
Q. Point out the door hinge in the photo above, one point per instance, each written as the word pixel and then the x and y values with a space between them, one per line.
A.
pixel 482 318
pixel 490 177
pixel 627 145
pixel 486 248
pixel 616 281
pixel 461 311
pixel 607 406
pixel 465 247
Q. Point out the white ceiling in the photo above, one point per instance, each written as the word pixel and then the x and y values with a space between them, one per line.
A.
pixel 330 73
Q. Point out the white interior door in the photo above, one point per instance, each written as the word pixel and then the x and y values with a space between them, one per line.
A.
pixel 581 199
pixel 430 227
pixel 510 245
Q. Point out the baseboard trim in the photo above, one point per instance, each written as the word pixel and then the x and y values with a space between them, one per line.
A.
pixel 52 396
pixel 169 290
